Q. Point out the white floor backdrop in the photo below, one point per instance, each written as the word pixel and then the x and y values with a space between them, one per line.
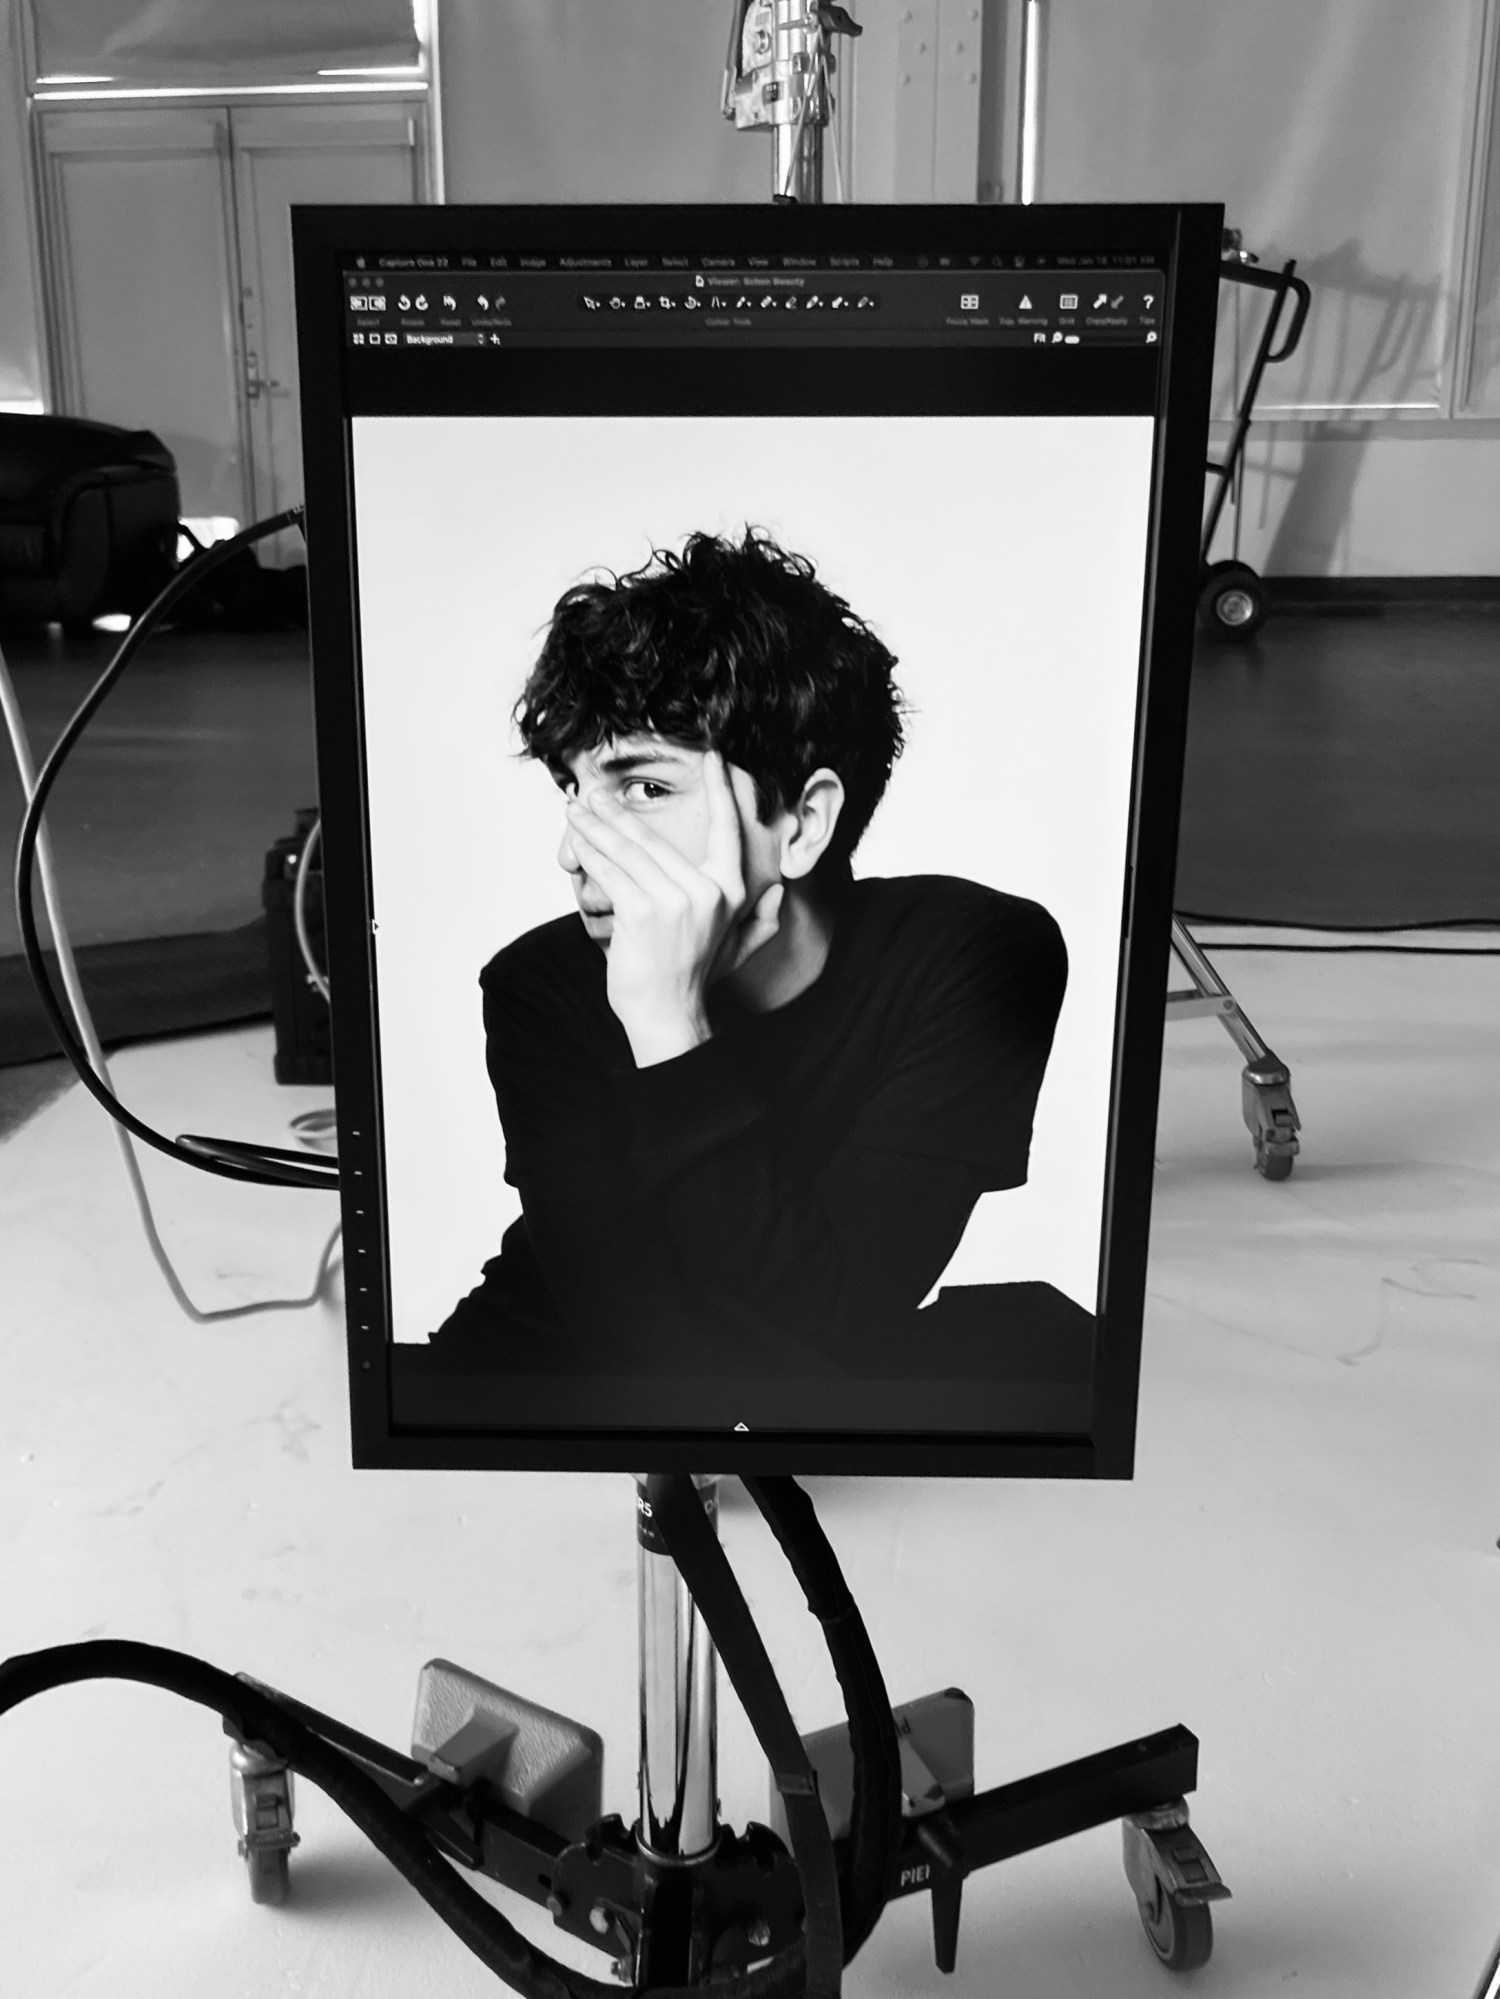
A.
pixel 1303 1571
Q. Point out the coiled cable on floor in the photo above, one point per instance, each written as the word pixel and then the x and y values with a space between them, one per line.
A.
pixel 260 1165
pixel 258 1717
pixel 88 1035
pixel 807 1969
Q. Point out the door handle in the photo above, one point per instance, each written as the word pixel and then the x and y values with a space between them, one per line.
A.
pixel 255 382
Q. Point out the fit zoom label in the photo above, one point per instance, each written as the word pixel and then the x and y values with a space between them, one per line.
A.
pixel 913 1877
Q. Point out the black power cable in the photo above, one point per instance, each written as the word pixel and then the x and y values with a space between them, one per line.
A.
pixel 257 1165
pixel 807 1969
pixel 818 1955
pixel 258 1717
pixel 876 1815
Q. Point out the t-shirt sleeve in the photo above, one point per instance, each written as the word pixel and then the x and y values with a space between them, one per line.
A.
pixel 556 1066
pixel 867 1233
pixel 964 1080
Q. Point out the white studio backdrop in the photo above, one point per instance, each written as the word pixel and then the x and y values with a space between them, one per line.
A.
pixel 1002 559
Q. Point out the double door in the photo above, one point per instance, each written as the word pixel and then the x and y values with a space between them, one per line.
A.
pixel 168 273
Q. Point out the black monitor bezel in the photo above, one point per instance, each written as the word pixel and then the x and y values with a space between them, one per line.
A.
pixel 1187 241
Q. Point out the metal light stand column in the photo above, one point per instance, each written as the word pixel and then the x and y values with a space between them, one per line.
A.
pixel 798 103
pixel 1265 1081
pixel 679 1803
pixel 776 78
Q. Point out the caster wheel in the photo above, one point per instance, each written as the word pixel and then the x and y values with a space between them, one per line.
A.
pixel 1232 602
pixel 270 1874
pixel 1270 1117
pixel 1181 1933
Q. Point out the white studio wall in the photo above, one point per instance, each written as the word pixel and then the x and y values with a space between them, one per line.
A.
pixel 20 315
pixel 1284 114
pixel 562 100
pixel 1358 137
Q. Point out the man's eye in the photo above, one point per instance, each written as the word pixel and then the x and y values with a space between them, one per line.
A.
pixel 639 790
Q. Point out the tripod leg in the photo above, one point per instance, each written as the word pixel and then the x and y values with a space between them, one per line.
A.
pixel 947 1899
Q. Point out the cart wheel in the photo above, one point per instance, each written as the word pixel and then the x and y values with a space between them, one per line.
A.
pixel 1232 602
pixel 1270 1116
pixel 1181 1933
pixel 270 1875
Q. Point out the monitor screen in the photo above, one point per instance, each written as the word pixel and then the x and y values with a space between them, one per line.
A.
pixel 750 654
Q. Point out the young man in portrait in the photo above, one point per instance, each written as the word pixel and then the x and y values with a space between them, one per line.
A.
pixel 749 1100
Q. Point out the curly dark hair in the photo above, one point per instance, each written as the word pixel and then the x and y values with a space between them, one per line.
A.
pixel 731 646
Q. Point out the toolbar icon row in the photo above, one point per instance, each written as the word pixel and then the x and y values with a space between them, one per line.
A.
pixel 1068 302
pixel 421 302
pixel 723 302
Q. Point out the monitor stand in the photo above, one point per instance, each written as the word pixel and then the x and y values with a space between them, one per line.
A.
pixel 514 1790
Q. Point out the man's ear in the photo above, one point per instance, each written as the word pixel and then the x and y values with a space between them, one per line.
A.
pixel 811 824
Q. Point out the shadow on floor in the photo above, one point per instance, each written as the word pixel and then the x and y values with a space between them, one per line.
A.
pixel 29 1087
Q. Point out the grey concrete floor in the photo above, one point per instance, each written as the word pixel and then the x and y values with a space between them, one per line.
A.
pixel 197 761
pixel 1342 770
pixel 1339 770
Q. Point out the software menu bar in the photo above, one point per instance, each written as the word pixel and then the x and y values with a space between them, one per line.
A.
pixel 872 303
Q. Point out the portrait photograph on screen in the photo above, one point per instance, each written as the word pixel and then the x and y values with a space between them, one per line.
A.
pixel 754 644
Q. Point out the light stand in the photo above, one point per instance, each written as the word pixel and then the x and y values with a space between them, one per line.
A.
pixel 778 77
pixel 679 1899
pixel 679 1818
pixel 512 1790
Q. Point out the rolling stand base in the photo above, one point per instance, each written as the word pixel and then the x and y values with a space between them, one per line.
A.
pixel 949 1831
pixel 742 1901
pixel 513 1790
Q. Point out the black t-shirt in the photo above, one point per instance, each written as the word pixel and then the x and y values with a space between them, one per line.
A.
pixel 803 1174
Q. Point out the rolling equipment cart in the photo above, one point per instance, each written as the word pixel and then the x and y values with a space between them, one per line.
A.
pixel 1232 600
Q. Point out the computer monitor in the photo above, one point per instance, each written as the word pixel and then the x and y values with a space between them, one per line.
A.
pixel 751 652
